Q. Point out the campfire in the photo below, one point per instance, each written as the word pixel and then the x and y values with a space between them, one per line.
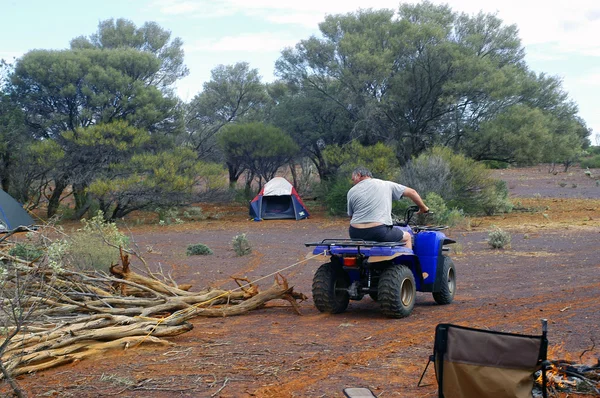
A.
pixel 567 377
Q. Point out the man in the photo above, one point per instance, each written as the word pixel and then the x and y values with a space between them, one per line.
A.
pixel 370 206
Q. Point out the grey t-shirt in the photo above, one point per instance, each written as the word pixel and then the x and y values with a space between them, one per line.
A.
pixel 371 201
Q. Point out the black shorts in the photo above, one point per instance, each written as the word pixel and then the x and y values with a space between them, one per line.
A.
pixel 380 233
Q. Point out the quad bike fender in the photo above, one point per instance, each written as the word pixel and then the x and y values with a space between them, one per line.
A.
pixel 428 248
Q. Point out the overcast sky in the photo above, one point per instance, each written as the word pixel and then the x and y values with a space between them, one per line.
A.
pixel 561 38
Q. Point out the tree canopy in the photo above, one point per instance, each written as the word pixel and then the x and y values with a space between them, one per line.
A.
pixel 101 119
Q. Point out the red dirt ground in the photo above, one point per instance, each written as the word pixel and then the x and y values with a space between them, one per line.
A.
pixel 550 271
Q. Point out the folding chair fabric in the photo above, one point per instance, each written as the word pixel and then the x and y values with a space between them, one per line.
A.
pixel 473 363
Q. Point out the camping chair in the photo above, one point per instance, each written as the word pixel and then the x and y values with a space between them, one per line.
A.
pixel 474 363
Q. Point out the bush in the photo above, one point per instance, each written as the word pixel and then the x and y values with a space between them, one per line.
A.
pixel 240 244
pixel 496 199
pixel 379 159
pixel 498 239
pixel 442 215
pixel 194 214
pixel 26 251
pixel 592 162
pixel 336 193
pixel 462 182
pixel 96 245
pixel 198 250
pixel 168 215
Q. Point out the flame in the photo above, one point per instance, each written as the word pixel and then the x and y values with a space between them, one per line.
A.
pixel 557 378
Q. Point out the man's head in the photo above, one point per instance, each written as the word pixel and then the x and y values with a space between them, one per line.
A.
pixel 360 173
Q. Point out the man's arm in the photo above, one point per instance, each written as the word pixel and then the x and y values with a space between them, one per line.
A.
pixel 415 197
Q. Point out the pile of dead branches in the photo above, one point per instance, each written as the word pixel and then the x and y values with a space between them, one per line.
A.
pixel 71 315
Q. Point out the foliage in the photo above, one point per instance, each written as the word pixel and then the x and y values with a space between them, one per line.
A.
pixel 96 245
pixel 591 162
pixel 26 251
pixel 198 249
pixel 442 215
pixel 514 136
pixel 165 179
pixel 150 38
pixel 234 94
pixel 421 76
pixel 81 88
pixel 335 194
pixel 378 158
pixel 240 245
pixel 14 142
pixel 498 238
pixel 463 183
pixel 312 119
pixel 168 216
pixel 260 148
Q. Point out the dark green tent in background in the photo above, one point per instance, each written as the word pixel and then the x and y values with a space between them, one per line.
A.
pixel 12 215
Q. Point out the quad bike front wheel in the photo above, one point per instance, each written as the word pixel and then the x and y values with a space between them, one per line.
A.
pixel 330 289
pixel 397 291
pixel 448 286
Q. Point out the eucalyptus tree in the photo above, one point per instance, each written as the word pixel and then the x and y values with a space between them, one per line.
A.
pixel 156 179
pixel 311 120
pixel 414 78
pixel 12 140
pixel 70 90
pixel 256 147
pixel 234 93
pixel 150 38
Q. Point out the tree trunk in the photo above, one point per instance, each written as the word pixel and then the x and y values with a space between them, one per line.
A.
pixel 294 174
pixel 4 178
pixel 82 200
pixel 54 201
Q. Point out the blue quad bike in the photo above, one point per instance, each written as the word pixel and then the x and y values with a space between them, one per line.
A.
pixel 388 272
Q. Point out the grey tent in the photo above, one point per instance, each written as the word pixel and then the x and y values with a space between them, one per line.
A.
pixel 12 215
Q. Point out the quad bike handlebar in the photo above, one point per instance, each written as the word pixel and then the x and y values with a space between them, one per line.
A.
pixel 408 218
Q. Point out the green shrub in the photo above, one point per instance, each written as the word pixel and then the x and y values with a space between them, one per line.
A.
pixel 168 215
pixel 26 251
pixel 198 249
pixel 380 159
pixel 498 239
pixel 240 244
pixel 462 182
pixel 96 244
pixel 193 214
pixel 592 162
pixel 442 215
pixel 336 195
pixel 496 199
pixel 496 164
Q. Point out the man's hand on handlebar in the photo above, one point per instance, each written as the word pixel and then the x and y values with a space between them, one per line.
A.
pixel 423 210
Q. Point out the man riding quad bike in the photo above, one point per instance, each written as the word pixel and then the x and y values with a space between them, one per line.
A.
pixel 379 259
pixel 389 272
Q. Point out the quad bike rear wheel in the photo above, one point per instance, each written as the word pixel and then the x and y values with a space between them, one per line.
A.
pixel 330 289
pixel 448 287
pixel 397 291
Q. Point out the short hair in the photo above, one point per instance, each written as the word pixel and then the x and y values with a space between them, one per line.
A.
pixel 362 171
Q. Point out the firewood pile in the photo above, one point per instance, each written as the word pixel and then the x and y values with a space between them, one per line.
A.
pixel 568 377
pixel 53 317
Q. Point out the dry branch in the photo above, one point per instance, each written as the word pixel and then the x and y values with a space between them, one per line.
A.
pixel 80 314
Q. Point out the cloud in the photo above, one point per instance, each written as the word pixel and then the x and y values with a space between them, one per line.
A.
pixel 250 42
pixel 588 79
pixel 176 7
pixel 10 56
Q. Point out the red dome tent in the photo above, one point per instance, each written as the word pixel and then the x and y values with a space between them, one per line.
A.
pixel 277 200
